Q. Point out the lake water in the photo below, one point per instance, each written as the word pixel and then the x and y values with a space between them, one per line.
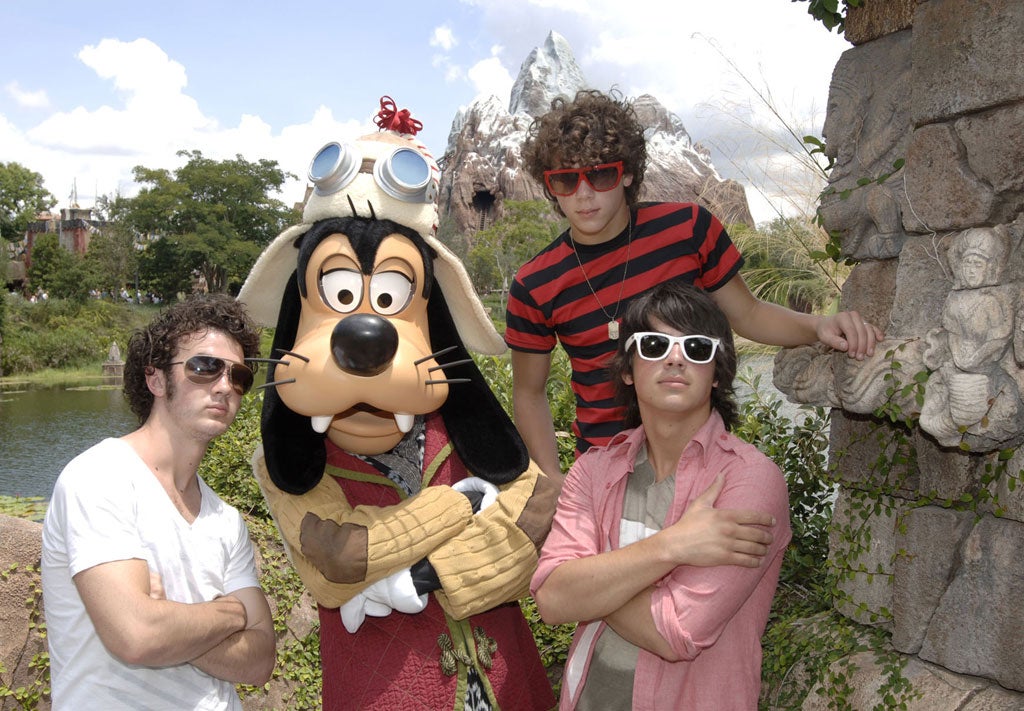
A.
pixel 42 429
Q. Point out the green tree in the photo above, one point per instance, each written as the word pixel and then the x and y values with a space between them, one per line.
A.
pixel 22 197
pixel 48 258
pixel 220 213
pixel 58 272
pixel 112 259
pixel 498 251
pixel 163 269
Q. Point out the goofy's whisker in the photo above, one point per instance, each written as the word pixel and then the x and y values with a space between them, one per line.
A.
pixel 293 354
pixel 434 355
pixel 447 380
pixel 448 365
pixel 275 383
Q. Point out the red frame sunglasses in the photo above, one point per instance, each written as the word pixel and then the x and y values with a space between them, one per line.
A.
pixel 566 181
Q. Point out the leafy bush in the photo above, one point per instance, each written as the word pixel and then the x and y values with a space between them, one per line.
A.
pixel 61 334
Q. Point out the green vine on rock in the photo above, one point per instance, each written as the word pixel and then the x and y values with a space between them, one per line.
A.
pixel 833 247
pixel 28 697
pixel 829 13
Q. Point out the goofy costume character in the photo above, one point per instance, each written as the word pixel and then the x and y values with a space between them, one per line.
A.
pixel 405 496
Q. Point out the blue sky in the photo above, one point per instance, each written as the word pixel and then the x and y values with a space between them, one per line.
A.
pixel 90 90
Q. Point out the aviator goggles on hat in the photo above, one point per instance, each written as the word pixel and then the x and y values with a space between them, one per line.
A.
pixel 602 178
pixel 655 346
pixel 404 174
pixel 205 369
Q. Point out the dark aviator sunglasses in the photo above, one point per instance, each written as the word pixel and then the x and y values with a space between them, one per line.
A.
pixel 205 369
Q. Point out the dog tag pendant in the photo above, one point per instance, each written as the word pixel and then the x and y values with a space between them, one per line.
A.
pixel 613 330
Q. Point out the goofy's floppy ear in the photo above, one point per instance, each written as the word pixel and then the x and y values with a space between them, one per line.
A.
pixel 294 451
pixel 481 431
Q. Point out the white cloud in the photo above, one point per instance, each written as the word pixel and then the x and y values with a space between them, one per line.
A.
pixel 139 67
pixel 443 37
pixel 27 99
pixel 490 77
pixel 149 119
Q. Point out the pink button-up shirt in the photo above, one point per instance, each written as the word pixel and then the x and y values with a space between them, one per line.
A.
pixel 712 617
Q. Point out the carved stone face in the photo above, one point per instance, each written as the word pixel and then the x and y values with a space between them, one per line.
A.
pixel 366 338
pixel 978 257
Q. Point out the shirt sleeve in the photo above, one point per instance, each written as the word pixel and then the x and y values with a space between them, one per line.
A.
pixel 692 605
pixel 720 258
pixel 98 520
pixel 575 530
pixel 241 564
pixel 526 327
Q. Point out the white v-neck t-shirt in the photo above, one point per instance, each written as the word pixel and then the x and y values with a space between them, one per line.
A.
pixel 107 506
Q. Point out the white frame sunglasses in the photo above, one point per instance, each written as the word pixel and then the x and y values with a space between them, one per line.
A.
pixel 669 341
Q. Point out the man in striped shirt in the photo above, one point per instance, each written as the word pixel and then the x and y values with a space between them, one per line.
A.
pixel 590 155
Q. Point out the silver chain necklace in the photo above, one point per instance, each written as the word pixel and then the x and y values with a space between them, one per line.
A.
pixel 613 324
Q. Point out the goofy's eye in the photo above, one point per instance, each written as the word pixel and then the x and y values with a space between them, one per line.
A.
pixel 342 289
pixel 390 292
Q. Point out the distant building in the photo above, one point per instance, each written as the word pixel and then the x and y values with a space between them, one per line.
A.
pixel 74 229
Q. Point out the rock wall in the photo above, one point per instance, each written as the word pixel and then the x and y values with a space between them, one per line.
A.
pixel 926 125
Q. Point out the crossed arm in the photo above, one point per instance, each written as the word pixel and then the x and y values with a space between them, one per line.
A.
pixel 726 548
pixel 230 637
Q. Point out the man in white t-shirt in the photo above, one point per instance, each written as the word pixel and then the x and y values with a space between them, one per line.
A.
pixel 149 582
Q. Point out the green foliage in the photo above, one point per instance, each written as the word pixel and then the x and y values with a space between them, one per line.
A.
pixel 829 12
pixel 28 697
pixel 218 213
pixel 58 272
pixel 782 264
pixel 22 197
pixel 164 269
pixel 64 334
pixel 112 259
pixel 497 370
pixel 800 449
pixel 498 251
pixel 32 508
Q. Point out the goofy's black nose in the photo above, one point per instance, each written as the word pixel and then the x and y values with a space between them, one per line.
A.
pixel 364 344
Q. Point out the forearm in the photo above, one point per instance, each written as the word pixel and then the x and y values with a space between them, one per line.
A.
pixel 536 427
pixel 245 657
pixel 167 633
pixel 593 587
pixel 498 550
pixel 370 543
pixel 635 624
pixel 776 325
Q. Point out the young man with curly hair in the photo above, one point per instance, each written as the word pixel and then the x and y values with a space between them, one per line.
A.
pixel 149 580
pixel 657 548
pixel 590 154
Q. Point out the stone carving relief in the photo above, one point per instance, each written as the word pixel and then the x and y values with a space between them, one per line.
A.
pixel 975 391
pixel 866 130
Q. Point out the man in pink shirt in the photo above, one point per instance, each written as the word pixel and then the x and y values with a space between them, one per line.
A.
pixel 667 543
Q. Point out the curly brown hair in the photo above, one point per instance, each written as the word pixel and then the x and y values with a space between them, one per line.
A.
pixel 691 310
pixel 157 344
pixel 592 129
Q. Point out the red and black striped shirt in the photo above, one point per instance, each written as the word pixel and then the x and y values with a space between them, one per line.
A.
pixel 550 301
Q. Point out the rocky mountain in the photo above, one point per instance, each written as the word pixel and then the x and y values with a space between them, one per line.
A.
pixel 482 162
